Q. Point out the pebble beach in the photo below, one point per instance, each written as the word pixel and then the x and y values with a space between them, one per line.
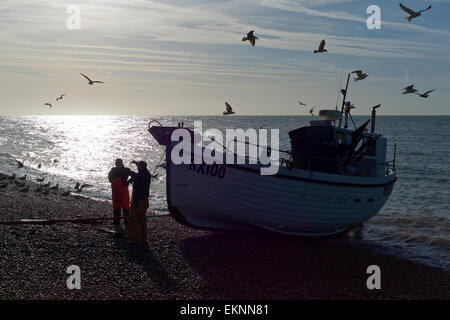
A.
pixel 183 263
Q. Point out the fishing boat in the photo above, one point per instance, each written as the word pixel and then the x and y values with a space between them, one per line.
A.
pixel 333 179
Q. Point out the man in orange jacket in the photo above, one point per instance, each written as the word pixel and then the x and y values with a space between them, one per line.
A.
pixel 118 176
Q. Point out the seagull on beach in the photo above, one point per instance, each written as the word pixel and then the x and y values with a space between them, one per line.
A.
pixel 19 163
pixel 79 187
pixel 24 189
pixel 60 97
pixel 412 14
pixel 409 89
pixel 91 82
pixel 250 37
pixel 54 188
pixel 48 104
pixel 321 47
pixel 19 184
pixel 359 75
pixel 228 110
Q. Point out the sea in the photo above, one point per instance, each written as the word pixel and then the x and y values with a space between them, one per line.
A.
pixel 413 224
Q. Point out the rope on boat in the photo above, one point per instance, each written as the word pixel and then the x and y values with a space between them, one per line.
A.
pixel 249 143
pixel 159 162
pixel 163 151
pixel 54 221
pixel 225 148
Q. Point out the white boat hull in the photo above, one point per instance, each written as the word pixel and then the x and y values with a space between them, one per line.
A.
pixel 295 202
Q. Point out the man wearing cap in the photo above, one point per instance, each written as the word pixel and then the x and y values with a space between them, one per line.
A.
pixel 118 176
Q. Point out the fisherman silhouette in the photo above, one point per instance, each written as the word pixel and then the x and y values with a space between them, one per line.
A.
pixel 139 203
pixel 118 176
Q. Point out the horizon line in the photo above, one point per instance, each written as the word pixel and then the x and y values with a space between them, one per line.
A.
pixel 211 115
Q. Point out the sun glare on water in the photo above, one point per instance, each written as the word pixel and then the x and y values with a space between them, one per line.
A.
pixel 84 144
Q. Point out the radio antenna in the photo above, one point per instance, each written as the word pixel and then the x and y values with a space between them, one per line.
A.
pixel 339 89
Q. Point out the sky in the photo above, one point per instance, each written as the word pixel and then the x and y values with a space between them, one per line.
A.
pixel 186 57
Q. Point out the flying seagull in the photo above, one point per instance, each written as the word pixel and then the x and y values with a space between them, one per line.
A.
pixel 426 94
pixel 311 111
pixel 360 75
pixel 60 97
pixel 48 104
pixel 250 37
pixel 302 104
pixel 229 109
pixel 412 14
pixel 409 89
pixel 321 47
pixel 91 82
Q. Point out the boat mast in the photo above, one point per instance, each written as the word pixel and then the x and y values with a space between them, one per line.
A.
pixel 344 92
pixel 374 114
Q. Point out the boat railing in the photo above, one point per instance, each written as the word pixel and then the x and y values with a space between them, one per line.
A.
pixel 154 121
pixel 304 161
pixel 389 166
